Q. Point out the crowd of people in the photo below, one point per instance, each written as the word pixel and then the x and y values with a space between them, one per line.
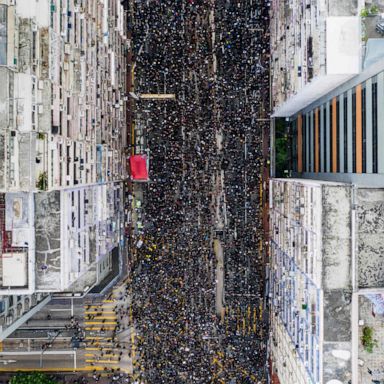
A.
pixel 221 82
pixel 208 142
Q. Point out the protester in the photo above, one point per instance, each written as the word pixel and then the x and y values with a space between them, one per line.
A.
pixel 221 83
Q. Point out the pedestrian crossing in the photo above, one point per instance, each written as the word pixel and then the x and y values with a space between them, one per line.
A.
pixel 100 321
pixel 110 336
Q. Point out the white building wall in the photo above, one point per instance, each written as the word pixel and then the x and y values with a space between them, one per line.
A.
pixel 285 360
pixel 62 83
pixel 38 10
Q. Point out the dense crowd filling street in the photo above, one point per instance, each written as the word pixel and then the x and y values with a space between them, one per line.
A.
pixel 194 307
pixel 206 167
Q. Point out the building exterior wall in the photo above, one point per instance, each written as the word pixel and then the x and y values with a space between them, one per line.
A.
pixel 306 61
pixel 311 281
pixel 356 140
pixel 296 281
pixel 370 238
pixel 63 98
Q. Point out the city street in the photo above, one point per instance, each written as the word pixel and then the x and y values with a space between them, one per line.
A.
pixel 192 308
pixel 198 289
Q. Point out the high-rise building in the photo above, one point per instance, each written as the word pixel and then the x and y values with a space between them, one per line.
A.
pixel 63 135
pixel 326 280
pixel 327 272
pixel 315 46
pixel 328 85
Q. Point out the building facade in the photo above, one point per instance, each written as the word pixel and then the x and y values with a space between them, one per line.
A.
pixel 63 138
pixel 307 274
pixel 328 85
pixel 326 270
pixel 315 46
pixel 342 133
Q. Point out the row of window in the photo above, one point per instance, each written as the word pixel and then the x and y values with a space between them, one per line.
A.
pixel 339 136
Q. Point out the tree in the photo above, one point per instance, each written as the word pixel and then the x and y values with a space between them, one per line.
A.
pixel 32 378
pixel 42 182
pixel 367 339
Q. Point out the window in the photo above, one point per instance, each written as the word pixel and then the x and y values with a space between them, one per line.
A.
pixel 310 138
pixel 304 131
pixel 374 126
pixel 354 131
pixel 330 118
pixel 294 146
pixel 338 135
pixel 325 137
pixel 34 40
pixel 3 34
pixel 78 210
pixel 321 129
pixel 68 159
pixel 345 133
pixel 364 128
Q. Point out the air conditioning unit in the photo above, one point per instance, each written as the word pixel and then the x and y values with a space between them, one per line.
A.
pixel 69 117
pixel 41 84
pixel 68 141
pixel 66 66
pixel 34 27
pixel 60 140
pixel 40 109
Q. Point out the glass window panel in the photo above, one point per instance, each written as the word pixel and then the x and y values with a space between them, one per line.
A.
pixel 354 131
pixel 3 35
pixel 374 126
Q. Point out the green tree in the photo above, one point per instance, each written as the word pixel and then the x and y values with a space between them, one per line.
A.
pixel 364 12
pixel 374 10
pixel 42 181
pixel 32 378
pixel 367 339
